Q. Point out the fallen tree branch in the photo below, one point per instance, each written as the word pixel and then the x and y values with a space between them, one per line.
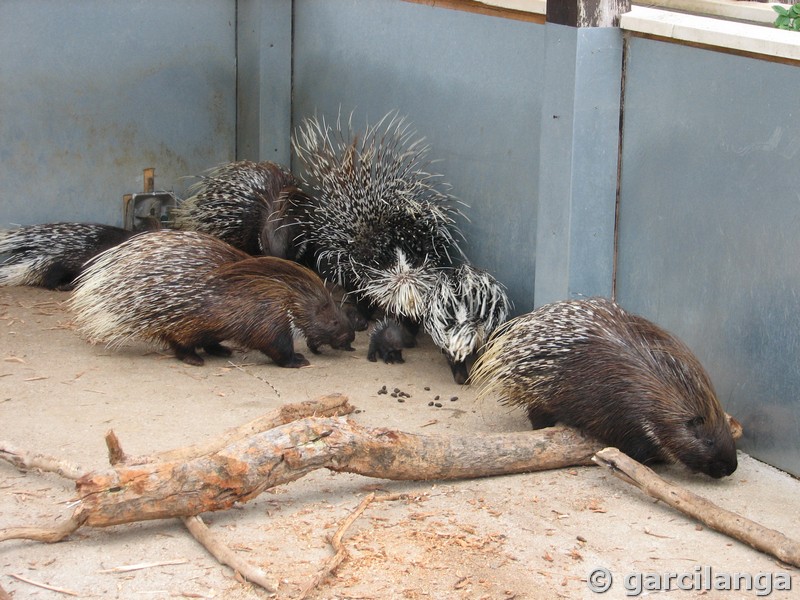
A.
pixel 325 406
pixel 245 468
pixel 761 538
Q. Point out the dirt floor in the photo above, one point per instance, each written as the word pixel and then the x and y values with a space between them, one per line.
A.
pixel 531 536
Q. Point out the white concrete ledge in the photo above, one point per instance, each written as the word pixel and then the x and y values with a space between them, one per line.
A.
pixel 537 7
pixel 755 12
pixel 708 31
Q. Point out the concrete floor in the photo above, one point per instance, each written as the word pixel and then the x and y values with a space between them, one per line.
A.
pixel 530 536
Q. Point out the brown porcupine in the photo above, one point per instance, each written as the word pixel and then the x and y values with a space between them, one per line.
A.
pixel 378 222
pixel 52 255
pixel 614 375
pixel 252 206
pixel 190 290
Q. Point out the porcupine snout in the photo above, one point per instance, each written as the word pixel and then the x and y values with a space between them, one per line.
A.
pixel 708 447
pixel 330 326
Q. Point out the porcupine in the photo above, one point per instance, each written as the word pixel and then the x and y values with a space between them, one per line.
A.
pixel 189 290
pixel 51 255
pixel 386 341
pixel 465 306
pixel 378 222
pixel 250 205
pixel 614 375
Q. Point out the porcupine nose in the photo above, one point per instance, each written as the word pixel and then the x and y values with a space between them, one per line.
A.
pixel 724 464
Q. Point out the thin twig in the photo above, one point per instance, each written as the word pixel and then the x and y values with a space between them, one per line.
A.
pixel 243 370
pixel 340 552
pixel 44 585
pixel 140 566
pixel 226 556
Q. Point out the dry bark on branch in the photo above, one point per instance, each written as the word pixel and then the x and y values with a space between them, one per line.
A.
pixel 330 405
pixel 731 524
pixel 245 468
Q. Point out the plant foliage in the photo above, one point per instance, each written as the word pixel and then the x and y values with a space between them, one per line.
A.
pixel 788 18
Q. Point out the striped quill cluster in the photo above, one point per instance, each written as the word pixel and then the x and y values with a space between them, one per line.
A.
pixel 614 375
pixel 52 255
pixel 377 213
pixel 252 206
pixel 464 307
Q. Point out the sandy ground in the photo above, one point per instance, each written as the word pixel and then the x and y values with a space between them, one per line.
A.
pixel 531 536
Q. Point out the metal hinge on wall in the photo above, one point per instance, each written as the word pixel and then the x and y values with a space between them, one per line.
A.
pixel 150 209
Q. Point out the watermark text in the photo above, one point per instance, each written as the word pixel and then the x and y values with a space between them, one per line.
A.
pixel 701 578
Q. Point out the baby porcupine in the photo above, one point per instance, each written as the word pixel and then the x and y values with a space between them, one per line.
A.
pixel 250 205
pixel 386 341
pixel 190 290
pixel 378 222
pixel 614 375
pixel 464 307
pixel 51 255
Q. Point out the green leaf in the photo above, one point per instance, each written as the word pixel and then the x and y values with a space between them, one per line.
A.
pixel 780 10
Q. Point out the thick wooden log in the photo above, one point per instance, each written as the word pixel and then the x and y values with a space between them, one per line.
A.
pixel 244 469
pixel 731 524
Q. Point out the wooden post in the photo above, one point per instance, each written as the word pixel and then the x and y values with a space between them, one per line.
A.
pixel 587 13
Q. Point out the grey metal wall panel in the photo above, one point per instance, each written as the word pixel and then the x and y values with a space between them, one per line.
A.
pixel 709 214
pixel 471 84
pixel 264 83
pixel 579 156
pixel 92 92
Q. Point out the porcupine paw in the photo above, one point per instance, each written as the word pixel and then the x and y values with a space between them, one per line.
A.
pixel 217 349
pixel 540 419
pixel 393 356
pixel 295 362
pixel 189 356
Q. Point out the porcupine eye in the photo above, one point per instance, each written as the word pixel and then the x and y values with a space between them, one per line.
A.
pixel 696 422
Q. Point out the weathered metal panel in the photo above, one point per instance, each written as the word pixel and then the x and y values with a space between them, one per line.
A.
pixel 264 92
pixel 578 170
pixel 709 215
pixel 92 92
pixel 471 84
